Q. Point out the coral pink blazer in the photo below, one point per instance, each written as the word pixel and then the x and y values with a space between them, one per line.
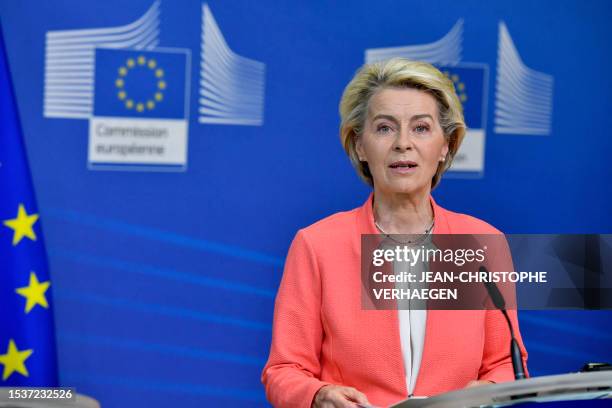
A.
pixel 321 335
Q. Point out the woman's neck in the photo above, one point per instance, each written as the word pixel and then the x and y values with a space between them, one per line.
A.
pixel 402 213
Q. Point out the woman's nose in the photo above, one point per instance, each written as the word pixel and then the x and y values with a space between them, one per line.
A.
pixel 403 141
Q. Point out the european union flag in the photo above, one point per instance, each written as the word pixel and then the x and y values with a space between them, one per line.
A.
pixel 27 342
pixel 140 83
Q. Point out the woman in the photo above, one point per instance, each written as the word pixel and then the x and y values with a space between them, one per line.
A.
pixel 402 124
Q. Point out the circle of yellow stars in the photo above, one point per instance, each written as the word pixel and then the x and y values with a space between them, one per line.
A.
pixel 13 361
pixel 124 71
pixel 459 86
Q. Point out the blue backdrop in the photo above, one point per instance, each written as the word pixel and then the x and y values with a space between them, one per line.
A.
pixel 164 281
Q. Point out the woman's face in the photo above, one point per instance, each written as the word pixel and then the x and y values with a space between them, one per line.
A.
pixel 402 140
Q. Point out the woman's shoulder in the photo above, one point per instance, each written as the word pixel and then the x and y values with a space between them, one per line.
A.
pixel 335 222
pixel 332 227
pixel 460 223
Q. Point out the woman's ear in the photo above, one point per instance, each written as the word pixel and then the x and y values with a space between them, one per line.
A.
pixel 444 151
pixel 359 148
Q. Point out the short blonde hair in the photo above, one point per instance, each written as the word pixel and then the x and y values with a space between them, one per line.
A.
pixel 399 73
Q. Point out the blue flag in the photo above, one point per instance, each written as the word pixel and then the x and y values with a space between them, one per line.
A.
pixel 140 84
pixel 27 341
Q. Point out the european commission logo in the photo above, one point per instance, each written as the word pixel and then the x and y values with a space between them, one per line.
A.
pixel 135 95
pixel 140 112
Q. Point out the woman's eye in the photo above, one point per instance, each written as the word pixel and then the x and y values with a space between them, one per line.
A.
pixel 421 128
pixel 384 129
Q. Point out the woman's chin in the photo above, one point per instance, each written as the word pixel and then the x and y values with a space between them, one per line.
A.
pixel 405 187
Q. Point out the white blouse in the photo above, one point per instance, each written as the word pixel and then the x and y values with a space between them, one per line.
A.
pixel 412 321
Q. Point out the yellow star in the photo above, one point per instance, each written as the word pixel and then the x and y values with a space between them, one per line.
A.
pixel 22 225
pixel 14 360
pixel 34 293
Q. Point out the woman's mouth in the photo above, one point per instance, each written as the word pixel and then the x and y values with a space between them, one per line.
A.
pixel 403 167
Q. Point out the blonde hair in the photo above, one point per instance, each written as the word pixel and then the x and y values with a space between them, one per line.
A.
pixel 399 73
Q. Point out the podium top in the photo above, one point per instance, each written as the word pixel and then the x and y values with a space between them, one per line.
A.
pixel 565 387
